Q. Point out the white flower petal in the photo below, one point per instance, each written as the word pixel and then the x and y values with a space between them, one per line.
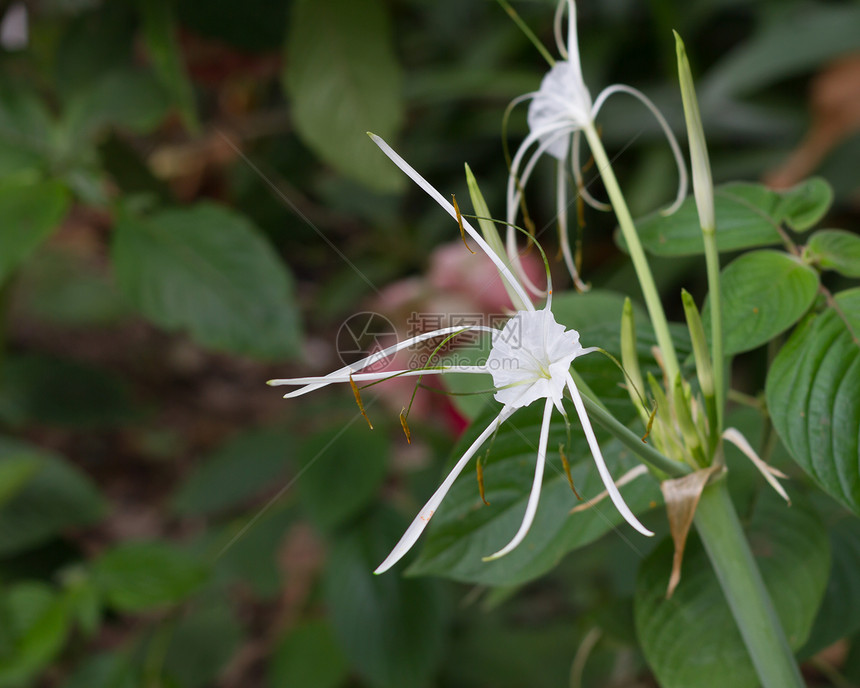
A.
pixel 369 377
pixel 534 496
pixel 770 473
pixel 413 532
pixel 664 125
pixel 436 196
pixel 608 483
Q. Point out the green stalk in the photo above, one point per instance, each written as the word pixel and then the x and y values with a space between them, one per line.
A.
pixel 637 254
pixel 712 262
pixel 742 584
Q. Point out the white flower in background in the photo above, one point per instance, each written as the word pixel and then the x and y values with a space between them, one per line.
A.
pixel 559 111
pixel 530 359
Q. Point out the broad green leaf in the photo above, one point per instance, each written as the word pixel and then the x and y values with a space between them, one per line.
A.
pixel 343 79
pixel 15 472
pixel 56 498
pixel 159 30
pixel 813 399
pixel 691 640
pixel 237 470
pixel 463 530
pixel 126 98
pixel 763 293
pixel 389 627
pixel 29 214
pixel 839 614
pixel 746 217
pixel 202 644
pixel 35 624
pixel 342 471
pixel 89 397
pixel 136 576
pixel 26 130
pixel 835 249
pixel 308 656
pixel 207 270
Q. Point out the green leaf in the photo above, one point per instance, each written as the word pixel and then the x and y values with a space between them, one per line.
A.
pixel 237 470
pixel 308 656
pixel 812 396
pixel 835 249
pixel 159 30
pixel 127 98
pixel 839 614
pixel 15 473
pixel 463 530
pixel 26 130
pixel 691 640
pixel 341 472
pixel 36 622
pixel 136 576
pixel 209 271
pixel 201 645
pixel 763 293
pixel 29 214
pixel 746 217
pixel 389 627
pixel 56 498
pixel 89 397
pixel 343 79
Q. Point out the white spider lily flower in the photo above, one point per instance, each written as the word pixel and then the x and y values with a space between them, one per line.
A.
pixel 559 111
pixel 529 359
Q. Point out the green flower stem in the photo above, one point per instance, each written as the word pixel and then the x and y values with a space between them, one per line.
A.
pixel 646 453
pixel 637 254
pixel 742 584
pixel 712 262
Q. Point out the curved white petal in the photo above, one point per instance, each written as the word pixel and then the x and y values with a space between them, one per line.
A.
pixel 436 196
pixel 369 377
pixel 382 355
pixel 413 532
pixel 564 239
pixel 769 473
pixel 534 497
pixel 556 29
pixel 664 125
pixel 614 494
pixel 581 188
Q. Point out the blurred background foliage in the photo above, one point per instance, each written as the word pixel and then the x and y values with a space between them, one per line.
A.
pixel 189 206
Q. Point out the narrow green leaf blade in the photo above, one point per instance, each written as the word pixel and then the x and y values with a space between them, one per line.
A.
pixel 343 79
pixel 813 395
pixel 159 31
pixel 691 640
pixel 763 293
pixel 208 270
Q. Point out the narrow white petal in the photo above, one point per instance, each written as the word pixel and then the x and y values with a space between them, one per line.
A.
pixel 614 494
pixel 573 38
pixel 628 477
pixel 413 532
pixel 370 377
pixel 556 30
pixel 770 473
pixel 577 175
pixel 534 497
pixel 381 356
pixel 664 125
pixel 436 196
pixel 564 239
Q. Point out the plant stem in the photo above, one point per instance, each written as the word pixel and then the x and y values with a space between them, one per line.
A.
pixel 637 254
pixel 712 263
pixel 742 584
